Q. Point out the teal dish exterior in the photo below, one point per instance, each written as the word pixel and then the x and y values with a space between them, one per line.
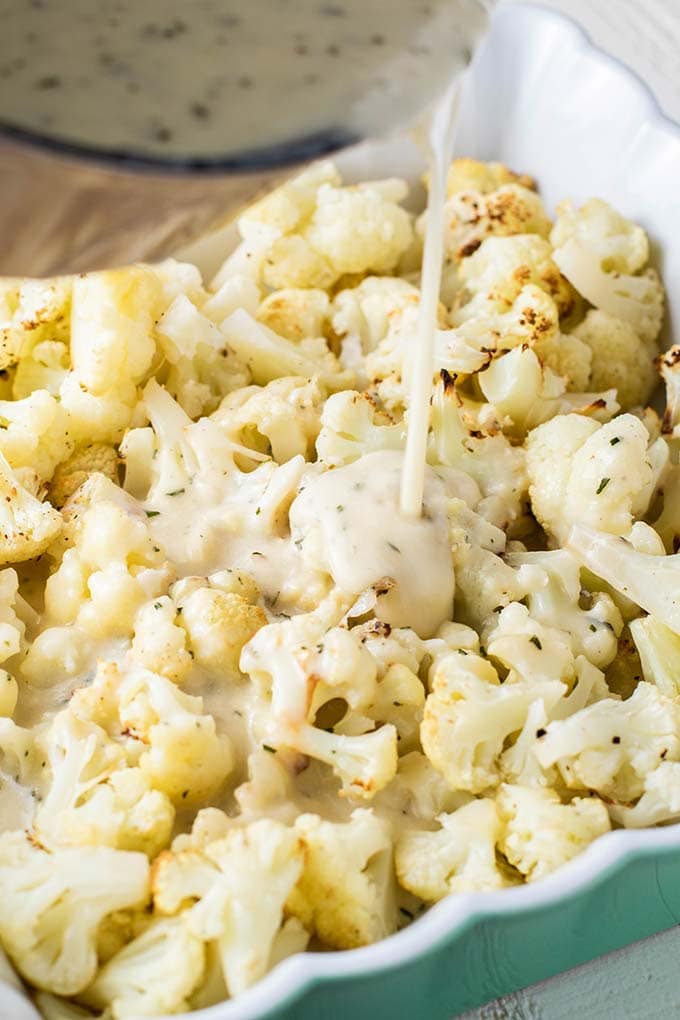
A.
pixel 493 953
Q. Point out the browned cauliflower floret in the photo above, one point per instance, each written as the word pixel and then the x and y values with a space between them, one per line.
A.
pixel 467 174
pixel 27 526
pixel 345 893
pixel 32 311
pixel 295 312
pixel 472 216
pixel 218 625
pixel 68 476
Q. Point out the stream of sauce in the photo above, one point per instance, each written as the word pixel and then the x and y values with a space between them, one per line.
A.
pixel 441 140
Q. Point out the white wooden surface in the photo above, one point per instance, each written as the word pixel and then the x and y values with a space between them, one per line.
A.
pixel 643 981
pixel 645 34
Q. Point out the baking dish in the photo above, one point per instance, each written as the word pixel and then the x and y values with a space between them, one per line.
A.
pixel 542 99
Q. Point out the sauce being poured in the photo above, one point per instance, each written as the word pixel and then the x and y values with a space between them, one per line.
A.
pixel 351 516
pixel 206 79
pixel 420 366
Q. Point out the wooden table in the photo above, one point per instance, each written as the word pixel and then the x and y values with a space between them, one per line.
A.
pixel 641 982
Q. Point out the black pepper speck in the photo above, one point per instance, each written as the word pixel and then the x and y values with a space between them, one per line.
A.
pixel 200 111
pixel 48 81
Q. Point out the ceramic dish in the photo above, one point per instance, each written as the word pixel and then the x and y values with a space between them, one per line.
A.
pixel 542 99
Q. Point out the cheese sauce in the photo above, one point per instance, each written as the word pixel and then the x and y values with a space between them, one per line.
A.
pixel 208 78
pixel 352 516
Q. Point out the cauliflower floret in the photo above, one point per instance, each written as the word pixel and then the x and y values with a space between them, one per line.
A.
pixel 218 624
pixel 660 800
pixel 21 758
pixel 458 857
pixel 364 764
pixel 55 902
pixel 269 356
pixel 496 465
pixel 93 799
pixel 283 209
pixel 292 262
pixel 530 319
pixel 399 700
pixel 312 231
pixel 360 229
pixel 202 369
pixel 295 313
pixel 345 894
pixel 198 384
pixel 471 216
pixel 364 316
pixel 34 433
pixel 112 318
pixel 659 651
pixel 45 368
pixel 98 417
pixel 650 581
pixel 238 291
pixel 95 458
pixel 56 654
pixel 469 715
pixel 183 449
pixel 27 526
pixel 485 583
pixel 110 572
pixel 502 266
pixel 301 664
pixel 159 642
pixel 419 791
pixel 669 368
pixel 52 1007
pixel 184 757
pixel 180 278
pixel 13 618
pixel 620 245
pixel 155 973
pixel 530 650
pixel 351 426
pixel 233 581
pixel 554 593
pixel 228 877
pixel 637 300
pixel 465 174
pixel 540 833
pixel 9 693
pixel 390 646
pixel 269 791
pixel 603 477
pixel 281 418
pixel 32 311
pixel 568 356
pixel 620 359
pixel 182 328
pixel 521 389
pixel 209 825
pixel 611 746
pixel 95 490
